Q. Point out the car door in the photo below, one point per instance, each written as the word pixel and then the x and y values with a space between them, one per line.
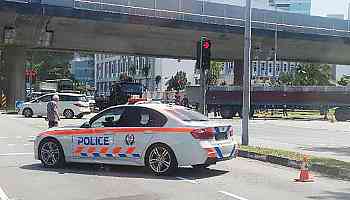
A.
pixel 137 125
pixel 97 141
pixel 39 107
pixel 63 103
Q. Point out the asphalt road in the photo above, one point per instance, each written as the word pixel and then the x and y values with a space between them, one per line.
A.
pixel 23 178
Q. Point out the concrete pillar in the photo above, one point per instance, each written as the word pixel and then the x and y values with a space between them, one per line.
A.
pixel 14 65
pixel 238 72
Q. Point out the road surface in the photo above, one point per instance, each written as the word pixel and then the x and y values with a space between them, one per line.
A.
pixel 23 178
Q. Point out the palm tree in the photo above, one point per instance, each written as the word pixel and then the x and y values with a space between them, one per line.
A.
pixel 132 71
pixel 158 79
pixel 145 72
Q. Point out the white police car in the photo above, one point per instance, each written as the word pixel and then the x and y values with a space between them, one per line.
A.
pixel 159 136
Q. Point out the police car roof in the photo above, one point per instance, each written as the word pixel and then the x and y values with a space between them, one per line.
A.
pixel 155 106
pixel 68 94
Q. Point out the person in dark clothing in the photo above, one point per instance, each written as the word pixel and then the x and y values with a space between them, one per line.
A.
pixel 177 98
pixel 185 102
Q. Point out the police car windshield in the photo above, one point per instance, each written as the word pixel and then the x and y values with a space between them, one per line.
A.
pixel 188 115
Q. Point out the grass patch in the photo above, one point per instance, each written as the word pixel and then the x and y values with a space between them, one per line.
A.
pixel 328 162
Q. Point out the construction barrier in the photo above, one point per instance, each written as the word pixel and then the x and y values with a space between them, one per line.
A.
pixel 3 100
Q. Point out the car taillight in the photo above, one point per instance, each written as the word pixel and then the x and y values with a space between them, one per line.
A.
pixel 231 132
pixel 203 134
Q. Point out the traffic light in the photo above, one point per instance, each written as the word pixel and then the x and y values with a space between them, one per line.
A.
pixel 203 53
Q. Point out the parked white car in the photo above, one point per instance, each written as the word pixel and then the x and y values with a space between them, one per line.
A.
pixel 70 105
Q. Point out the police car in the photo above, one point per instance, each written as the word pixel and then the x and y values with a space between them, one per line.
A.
pixel 158 136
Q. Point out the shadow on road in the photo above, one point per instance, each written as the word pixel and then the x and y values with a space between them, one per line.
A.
pixel 125 171
pixel 341 151
pixel 332 195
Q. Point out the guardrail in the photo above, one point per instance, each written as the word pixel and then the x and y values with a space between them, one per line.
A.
pixel 205 18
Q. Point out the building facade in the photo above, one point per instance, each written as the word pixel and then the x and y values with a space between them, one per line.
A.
pixel 109 69
pixel 83 70
pixel 265 70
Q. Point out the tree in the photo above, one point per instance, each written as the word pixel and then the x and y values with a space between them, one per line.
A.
pixel 214 72
pixel 308 75
pixel 132 71
pixel 344 80
pixel 158 79
pixel 50 65
pixel 145 72
pixel 177 82
pixel 124 77
pixel 286 79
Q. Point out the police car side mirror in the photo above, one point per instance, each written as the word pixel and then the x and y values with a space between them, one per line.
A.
pixel 86 125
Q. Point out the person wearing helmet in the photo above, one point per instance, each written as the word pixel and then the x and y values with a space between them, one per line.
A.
pixel 52 112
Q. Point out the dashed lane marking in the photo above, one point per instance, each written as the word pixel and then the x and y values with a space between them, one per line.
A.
pixel 18 137
pixel 3 195
pixel 232 195
pixel 16 154
pixel 187 180
pixel 4 137
pixel 11 145
pixel 28 144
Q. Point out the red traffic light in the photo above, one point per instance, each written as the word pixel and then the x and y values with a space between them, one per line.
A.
pixel 206 44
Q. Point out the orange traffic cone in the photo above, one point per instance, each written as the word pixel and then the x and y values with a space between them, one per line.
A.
pixel 304 175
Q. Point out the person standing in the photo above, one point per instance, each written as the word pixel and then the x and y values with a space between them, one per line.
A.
pixel 52 112
pixel 185 101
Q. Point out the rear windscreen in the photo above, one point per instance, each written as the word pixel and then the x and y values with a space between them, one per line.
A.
pixel 187 115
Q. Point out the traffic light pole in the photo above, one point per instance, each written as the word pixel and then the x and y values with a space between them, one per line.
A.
pixel 203 81
pixel 246 75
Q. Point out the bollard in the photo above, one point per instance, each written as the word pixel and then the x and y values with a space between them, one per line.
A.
pixel 3 100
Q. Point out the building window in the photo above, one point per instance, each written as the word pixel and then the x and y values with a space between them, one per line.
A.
pixel 270 70
pixel 254 69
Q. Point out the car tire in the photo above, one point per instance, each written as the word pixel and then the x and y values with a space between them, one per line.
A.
pixel 161 160
pixel 68 113
pixel 51 153
pixel 200 166
pixel 27 112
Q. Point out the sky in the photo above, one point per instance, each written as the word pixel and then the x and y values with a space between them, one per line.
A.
pixel 324 7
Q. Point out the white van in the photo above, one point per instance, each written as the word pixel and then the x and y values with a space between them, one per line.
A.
pixel 70 105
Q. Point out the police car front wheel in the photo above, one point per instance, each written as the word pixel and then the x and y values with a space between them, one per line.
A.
pixel 161 160
pixel 51 153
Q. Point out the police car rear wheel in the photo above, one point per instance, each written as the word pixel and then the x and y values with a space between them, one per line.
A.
pixel 51 154
pixel 161 160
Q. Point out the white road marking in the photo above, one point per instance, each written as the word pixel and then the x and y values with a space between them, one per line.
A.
pixel 27 144
pixel 4 137
pixel 10 145
pixel 232 195
pixel 187 180
pixel 3 196
pixel 18 137
pixel 16 154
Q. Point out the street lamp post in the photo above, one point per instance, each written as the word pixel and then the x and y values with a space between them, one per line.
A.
pixel 275 48
pixel 246 75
